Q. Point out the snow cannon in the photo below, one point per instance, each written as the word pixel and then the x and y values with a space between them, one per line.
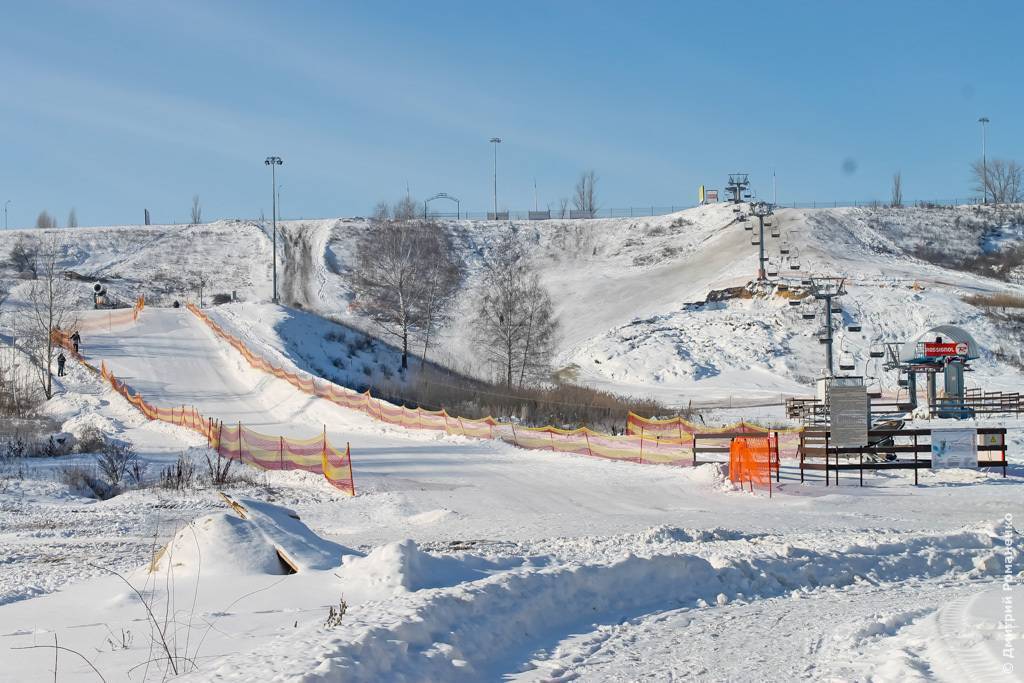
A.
pixel 99 294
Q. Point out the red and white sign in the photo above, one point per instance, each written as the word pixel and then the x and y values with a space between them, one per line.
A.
pixel 710 196
pixel 940 349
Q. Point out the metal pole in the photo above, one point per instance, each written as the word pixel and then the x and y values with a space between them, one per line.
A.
pixel 495 141
pixel 984 162
pixel 273 219
pixel 760 248
pixel 5 213
pixel 828 334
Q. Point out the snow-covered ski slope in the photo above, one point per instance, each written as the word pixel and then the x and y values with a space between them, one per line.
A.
pixel 620 287
pixel 523 565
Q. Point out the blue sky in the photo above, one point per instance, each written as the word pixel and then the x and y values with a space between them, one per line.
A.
pixel 110 107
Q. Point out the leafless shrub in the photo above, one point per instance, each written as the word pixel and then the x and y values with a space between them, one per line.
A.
pixel 996 300
pixel 180 476
pixel 114 460
pixel 197 210
pixel 218 469
pixel 90 440
pixel 24 256
pixel 72 219
pixel 137 471
pixel 336 614
pixel 86 481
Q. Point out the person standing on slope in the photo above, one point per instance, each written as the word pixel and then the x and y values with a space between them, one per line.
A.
pixel 76 339
pixel 60 364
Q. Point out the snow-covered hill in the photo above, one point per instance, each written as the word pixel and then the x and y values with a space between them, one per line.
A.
pixel 622 287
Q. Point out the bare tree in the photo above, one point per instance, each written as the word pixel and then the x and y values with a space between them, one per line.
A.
pixel 45 221
pixel 585 194
pixel 1001 179
pixel 197 210
pixel 24 256
pixel 50 308
pixel 563 207
pixel 897 190
pixel 72 219
pixel 515 324
pixel 406 276
pixel 404 209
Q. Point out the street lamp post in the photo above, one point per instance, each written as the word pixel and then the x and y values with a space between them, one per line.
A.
pixel 5 213
pixel 273 163
pixel 984 162
pixel 495 141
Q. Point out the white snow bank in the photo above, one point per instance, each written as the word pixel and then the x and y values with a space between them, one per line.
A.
pixel 480 630
pixel 220 544
pixel 396 568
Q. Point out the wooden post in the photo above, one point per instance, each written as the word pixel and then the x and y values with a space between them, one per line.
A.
pixel 915 457
pixel 586 434
pixel 281 447
pixel 515 439
pixel 241 451
pixel 220 433
pixel 641 444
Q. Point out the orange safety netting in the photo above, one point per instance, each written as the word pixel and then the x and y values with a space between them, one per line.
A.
pixel 238 442
pixel 62 338
pixel 753 460
pixel 583 441
pixel 681 428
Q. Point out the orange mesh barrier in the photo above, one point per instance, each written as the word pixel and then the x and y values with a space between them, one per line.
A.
pixel 753 460
pixel 238 442
pixel 679 427
pixel 650 449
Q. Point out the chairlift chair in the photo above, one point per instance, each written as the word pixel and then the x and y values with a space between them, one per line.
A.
pixel 837 309
pixel 853 328
pixel 784 247
pixel 809 316
pixel 876 353
pixel 793 302
pixel 794 265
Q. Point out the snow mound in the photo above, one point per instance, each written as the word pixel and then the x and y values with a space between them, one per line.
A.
pixel 397 568
pixel 220 545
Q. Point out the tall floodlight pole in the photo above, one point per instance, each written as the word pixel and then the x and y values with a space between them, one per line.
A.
pixel 273 163
pixel 495 141
pixel 984 162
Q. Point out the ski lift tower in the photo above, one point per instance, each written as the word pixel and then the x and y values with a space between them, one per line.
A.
pixel 761 210
pixel 825 289
pixel 737 187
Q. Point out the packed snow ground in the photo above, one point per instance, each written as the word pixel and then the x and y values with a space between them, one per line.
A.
pixel 520 565
pixel 469 560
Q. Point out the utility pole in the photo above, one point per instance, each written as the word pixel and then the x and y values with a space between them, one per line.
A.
pixel 535 194
pixel 775 191
pixel 273 163
pixel 495 141
pixel 5 213
pixel 984 162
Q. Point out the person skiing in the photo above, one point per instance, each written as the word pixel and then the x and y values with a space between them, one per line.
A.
pixel 60 364
pixel 76 339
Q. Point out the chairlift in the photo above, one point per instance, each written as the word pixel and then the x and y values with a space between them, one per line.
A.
pixel 809 316
pixel 794 265
pixel 806 283
pixel 755 242
pixel 773 272
pixel 903 382
pixel 748 226
pixel 776 233
pixel 847 366
pixel 793 302
pixel 853 328
pixel 837 309
pixel 876 353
